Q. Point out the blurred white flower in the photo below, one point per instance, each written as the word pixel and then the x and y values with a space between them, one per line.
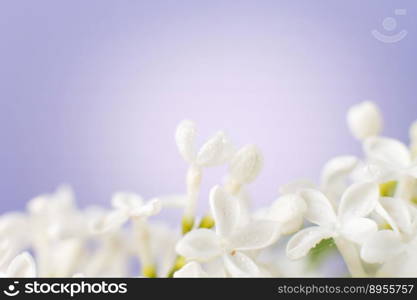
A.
pixel 364 120
pixel 392 157
pixel 22 265
pixel 384 245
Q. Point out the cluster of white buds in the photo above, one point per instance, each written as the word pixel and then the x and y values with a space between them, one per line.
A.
pixel 363 208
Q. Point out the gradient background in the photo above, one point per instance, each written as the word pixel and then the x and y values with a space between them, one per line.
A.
pixel 91 91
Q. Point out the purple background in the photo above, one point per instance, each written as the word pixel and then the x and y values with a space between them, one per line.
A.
pixel 91 91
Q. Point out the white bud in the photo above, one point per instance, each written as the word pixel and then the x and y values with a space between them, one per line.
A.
pixel 364 120
pixel 288 211
pixel 22 265
pixel 151 208
pixel 413 132
pixel 246 164
pixel 185 138
pixel 126 201
pixel 215 151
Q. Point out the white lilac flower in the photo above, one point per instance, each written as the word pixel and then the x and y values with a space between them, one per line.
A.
pixel 23 265
pixel 229 241
pixel 349 222
pixel 126 206
pixel 215 151
pixel 130 206
pixel 385 245
pixel 242 243
pixel 413 139
pixel 364 120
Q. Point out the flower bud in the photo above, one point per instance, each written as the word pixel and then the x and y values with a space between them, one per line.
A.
pixel 413 132
pixel 246 164
pixel 215 151
pixel 184 137
pixel 364 120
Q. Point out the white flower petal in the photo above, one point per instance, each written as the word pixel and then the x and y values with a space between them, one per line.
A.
pixel 402 265
pixel 126 201
pixel 108 222
pixel 358 230
pixel 215 151
pixel 289 211
pixel 191 270
pixel 335 174
pixel 397 214
pixel 151 208
pixel 172 201
pixel 199 244
pixel 255 235
pixel 413 131
pixel 65 197
pixel 296 186
pixel 359 200
pixel 303 241
pixel 412 170
pixel 319 209
pixel 388 152
pixel 364 120
pixel 185 139
pixel 5 251
pixel 225 210
pixel 22 265
pixel 246 164
pixel 382 246
pixel 241 265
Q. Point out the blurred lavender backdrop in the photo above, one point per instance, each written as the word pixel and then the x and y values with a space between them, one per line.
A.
pixel 91 91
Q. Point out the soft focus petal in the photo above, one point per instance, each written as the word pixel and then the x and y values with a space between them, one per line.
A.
pixel 319 209
pixel 413 131
pixel 241 265
pixel 402 265
pixel 255 235
pixel 108 222
pixel 289 211
pixel 399 214
pixel 22 265
pixel 199 244
pixel 151 208
pixel 126 200
pixel 358 230
pixel 387 151
pixel 412 171
pixel 191 270
pixel 382 246
pixel 359 200
pixel 5 251
pixel 172 201
pixel 225 210
pixel 185 139
pixel 303 241
pixel 364 120
pixel 246 164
